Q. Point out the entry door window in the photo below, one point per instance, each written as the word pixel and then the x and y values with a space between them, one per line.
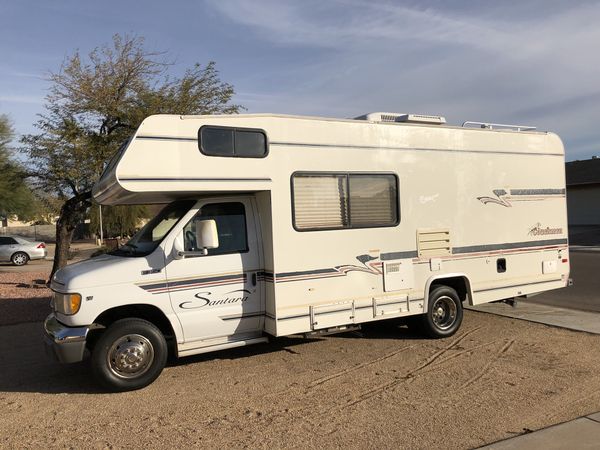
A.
pixel 231 228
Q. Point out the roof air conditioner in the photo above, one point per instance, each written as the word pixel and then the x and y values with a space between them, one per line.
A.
pixel 405 118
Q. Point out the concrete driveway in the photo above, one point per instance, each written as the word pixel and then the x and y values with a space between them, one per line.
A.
pixel 585 293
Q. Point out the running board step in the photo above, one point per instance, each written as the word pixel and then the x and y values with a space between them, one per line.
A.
pixel 226 345
pixel 332 330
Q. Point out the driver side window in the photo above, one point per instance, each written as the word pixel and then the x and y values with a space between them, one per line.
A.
pixel 231 228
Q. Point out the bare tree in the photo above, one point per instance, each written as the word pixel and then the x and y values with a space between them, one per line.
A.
pixel 94 104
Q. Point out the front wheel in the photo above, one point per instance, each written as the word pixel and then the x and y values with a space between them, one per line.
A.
pixel 444 313
pixel 129 355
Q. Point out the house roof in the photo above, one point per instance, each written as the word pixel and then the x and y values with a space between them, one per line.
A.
pixel 583 172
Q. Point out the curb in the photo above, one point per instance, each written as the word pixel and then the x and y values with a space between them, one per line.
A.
pixel 569 319
pixel 582 433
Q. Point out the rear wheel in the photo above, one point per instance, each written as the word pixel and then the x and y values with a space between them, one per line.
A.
pixel 129 355
pixel 444 313
pixel 19 258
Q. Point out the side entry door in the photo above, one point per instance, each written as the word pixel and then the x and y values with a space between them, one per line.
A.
pixel 219 294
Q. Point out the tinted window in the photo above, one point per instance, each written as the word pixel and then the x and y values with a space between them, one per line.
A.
pixel 115 159
pixel 231 228
pixel 7 241
pixel 250 144
pixel 373 200
pixel 217 141
pixel 336 201
pixel 232 142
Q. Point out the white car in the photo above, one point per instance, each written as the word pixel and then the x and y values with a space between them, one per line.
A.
pixel 19 251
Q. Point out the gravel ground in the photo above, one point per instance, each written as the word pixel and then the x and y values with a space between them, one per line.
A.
pixel 23 300
pixel 382 388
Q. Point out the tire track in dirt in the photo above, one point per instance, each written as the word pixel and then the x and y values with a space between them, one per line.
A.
pixel 486 368
pixel 454 355
pixel 429 362
pixel 442 352
pixel 335 375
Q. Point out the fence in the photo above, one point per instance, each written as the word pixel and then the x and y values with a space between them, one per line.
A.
pixel 36 232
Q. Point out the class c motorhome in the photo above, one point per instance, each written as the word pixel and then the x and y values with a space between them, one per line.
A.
pixel 277 225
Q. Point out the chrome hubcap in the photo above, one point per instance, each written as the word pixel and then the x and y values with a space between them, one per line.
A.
pixel 19 259
pixel 443 312
pixel 130 356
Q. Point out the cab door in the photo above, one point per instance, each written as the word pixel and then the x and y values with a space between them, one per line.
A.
pixel 219 295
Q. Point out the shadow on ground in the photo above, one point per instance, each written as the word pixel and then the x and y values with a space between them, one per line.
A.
pixel 18 310
pixel 27 368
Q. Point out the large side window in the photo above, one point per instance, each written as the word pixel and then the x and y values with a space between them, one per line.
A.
pixel 231 228
pixel 373 200
pixel 232 142
pixel 323 201
pixel 320 201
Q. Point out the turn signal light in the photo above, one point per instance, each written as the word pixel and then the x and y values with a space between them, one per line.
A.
pixel 75 300
pixel 67 304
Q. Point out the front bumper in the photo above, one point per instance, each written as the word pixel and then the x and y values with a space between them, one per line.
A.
pixel 66 344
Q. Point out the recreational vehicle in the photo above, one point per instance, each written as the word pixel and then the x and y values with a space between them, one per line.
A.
pixel 276 225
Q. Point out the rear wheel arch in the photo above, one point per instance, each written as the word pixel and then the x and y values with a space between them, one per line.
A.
pixel 457 281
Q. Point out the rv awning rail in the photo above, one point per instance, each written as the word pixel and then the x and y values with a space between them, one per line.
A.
pixel 496 126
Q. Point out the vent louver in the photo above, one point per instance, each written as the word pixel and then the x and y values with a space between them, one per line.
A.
pixel 433 242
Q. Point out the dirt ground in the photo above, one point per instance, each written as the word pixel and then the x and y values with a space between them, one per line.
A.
pixel 384 387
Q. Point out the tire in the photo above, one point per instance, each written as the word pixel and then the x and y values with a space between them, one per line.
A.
pixel 129 355
pixel 19 258
pixel 444 313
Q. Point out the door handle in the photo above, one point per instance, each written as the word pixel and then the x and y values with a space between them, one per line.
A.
pixel 254 279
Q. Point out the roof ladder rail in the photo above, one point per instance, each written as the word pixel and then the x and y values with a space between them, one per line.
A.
pixel 495 126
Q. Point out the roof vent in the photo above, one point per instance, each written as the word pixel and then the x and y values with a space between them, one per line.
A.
pixel 405 118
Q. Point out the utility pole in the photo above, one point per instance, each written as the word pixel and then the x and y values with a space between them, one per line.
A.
pixel 101 233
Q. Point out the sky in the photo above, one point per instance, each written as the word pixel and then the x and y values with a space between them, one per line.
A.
pixel 531 63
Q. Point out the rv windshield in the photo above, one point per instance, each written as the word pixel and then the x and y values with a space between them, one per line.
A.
pixel 150 236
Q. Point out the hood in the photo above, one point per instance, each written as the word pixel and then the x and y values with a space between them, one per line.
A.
pixel 103 270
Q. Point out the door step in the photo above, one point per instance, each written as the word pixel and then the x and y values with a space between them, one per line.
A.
pixel 332 330
pixel 223 346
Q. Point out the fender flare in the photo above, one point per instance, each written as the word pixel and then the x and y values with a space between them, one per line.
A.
pixel 446 276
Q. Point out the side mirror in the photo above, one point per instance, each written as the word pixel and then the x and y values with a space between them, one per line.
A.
pixel 206 238
pixel 178 250
pixel 206 234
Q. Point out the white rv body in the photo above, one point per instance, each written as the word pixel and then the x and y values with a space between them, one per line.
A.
pixel 482 211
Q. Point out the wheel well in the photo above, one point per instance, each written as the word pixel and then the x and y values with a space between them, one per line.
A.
pixel 460 284
pixel 147 312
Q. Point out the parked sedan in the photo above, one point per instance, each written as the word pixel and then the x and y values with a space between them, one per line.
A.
pixel 19 251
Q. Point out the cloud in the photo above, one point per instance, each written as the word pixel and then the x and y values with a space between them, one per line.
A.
pixel 528 62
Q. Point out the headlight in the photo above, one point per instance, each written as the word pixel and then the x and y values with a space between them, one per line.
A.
pixel 67 304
